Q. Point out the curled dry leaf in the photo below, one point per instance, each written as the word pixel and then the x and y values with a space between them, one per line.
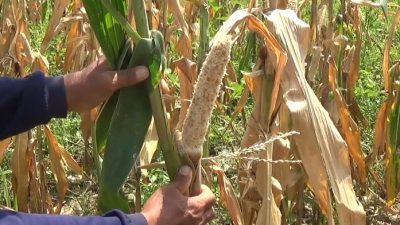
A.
pixel 380 140
pixel 386 54
pixel 20 171
pixel 40 63
pixel 317 131
pixel 68 159
pixel 57 154
pixel 349 128
pixel 149 147
pixel 57 13
pixel 178 11
pixel 57 168
pixel 184 47
pixel 187 74
pixel 228 197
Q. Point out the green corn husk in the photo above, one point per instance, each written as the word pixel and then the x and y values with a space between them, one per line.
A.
pixel 124 120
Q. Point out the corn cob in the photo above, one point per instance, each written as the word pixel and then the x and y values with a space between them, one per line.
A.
pixel 205 93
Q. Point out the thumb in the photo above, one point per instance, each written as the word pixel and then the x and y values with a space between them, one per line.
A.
pixel 129 77
pixel 183 179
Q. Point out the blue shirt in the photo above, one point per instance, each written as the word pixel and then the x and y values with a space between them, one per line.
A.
pixel 24 104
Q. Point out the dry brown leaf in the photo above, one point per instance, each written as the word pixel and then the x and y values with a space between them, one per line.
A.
pixel 6 36
pixel 386 54
pixel 230 70
pixel 178 11
pixel 35 10
pixel 228 197
pixel 57 13
pixel 73 47
pixel 3 148
pixel 20 170
pixel 20 49
pixel 276 191
pixel 184 47
pixel 187 74
pixel 353 74
pixel 35 201
pixel 56 165
pixel 68 159
pixel 355 64
pixel 380 131
pixel 281 171
pixel 269 212
pixel 317 131
pixel 349 127
pixel 88 118
pixel 149 147
pixel 316 54
pixel 40 63
pixel 189 11
pixel 24 52
pixel 282 4
pixel 253 127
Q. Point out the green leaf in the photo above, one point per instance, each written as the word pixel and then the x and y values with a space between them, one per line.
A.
pixel 121 20
pixel 108 32
pixel 128 128
pixel 103 122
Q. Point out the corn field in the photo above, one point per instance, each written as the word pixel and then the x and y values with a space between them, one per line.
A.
pixel 271 103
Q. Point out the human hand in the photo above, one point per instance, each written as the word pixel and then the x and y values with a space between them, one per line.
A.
pixel 169 206
pixel 89 87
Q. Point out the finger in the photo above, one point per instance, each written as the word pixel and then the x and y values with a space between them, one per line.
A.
pixel 99 64
pixel 206 199
pixel 183 179
pixel 208 216
pixel 102 62
pixel 128 77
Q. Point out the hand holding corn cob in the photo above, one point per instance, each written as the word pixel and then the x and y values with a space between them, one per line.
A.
pixel 169 205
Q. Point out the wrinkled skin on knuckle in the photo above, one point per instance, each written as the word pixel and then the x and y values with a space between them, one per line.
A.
pixel 196 210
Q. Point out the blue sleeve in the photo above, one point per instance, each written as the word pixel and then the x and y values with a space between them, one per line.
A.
pixel 114 217
pixel 28 102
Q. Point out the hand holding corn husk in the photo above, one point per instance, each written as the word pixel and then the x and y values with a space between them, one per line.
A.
pixel 92 85
pixel 190 140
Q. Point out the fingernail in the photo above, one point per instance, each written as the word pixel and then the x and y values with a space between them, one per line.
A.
pixel 184 170
pixel 142 72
